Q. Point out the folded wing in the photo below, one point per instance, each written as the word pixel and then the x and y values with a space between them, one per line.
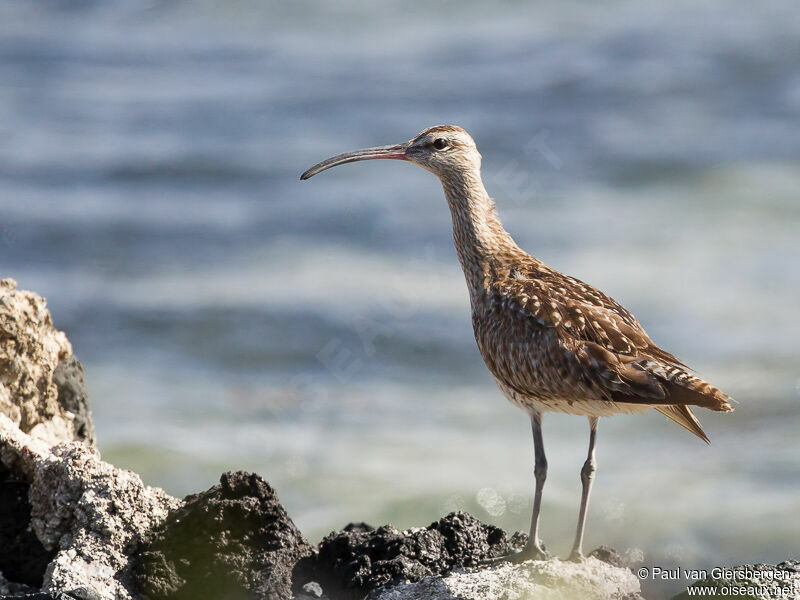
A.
pixel 612 349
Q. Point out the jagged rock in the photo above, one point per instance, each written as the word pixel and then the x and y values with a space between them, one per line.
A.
pixel 352 562
pixel 89 513
pixel 70 523
pixel 74 399
pixel 756 582
pixel 233 541
pixel 41 383
pixel 41 392
pixel 533 580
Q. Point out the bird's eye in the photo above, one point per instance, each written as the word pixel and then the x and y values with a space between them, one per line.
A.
pixel 440 143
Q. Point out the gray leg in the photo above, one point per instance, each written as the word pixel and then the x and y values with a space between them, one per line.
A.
pixel 533 548
pixel 587 477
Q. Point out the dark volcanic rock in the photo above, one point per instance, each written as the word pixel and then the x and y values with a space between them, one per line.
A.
pixel 608 556
pixel 354 561
pixel 73 397
pixel 233 541
pixel 23 559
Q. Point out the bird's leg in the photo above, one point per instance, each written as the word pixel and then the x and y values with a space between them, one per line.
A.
pixel 533 550
pixel 587 477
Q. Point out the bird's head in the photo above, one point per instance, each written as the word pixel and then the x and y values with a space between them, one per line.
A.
pixel 444 150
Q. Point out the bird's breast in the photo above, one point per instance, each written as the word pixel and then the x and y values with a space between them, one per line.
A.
pixel 520 353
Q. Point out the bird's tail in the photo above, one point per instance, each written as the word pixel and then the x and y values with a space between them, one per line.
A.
pixel 682 387
pixel 685 388
pixel 683 416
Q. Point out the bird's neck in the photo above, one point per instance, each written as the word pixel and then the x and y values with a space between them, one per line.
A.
pixel 480 239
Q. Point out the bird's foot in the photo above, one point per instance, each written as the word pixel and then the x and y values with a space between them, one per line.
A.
pixel 576 556
pixel 529 552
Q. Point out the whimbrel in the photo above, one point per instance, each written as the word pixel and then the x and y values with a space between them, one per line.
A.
pixel 552 342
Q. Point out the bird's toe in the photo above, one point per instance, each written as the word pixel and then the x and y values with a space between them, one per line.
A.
pixel 576 556
pixel 529 552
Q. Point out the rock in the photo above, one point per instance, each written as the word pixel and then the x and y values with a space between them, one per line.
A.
pixel 71 523
pixel 609 556
pixel 26 594
pixel 313 589
pixel 440 562
pixel 23 558
pixel 12 588
pixel 89 514
pixel 233 541
pixel 103 534
pixel 352 562
pixel 759 581
pixel 73 527
pixel 539 580
pixel 74 399
pixel 41 382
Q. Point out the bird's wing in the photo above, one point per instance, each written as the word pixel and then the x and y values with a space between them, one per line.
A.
pixel 611 350
pixel 578 312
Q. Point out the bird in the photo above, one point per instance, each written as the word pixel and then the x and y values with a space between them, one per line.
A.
pixel 552 342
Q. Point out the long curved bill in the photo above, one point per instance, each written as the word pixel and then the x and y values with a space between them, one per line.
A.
pixel 396 152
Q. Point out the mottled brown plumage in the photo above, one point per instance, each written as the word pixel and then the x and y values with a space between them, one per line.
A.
pixel 552 342
pixel 555 343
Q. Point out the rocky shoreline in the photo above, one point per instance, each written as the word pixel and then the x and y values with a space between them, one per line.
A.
pixel 75 527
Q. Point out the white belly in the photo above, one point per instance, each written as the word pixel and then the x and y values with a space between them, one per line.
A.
pixel 583 407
